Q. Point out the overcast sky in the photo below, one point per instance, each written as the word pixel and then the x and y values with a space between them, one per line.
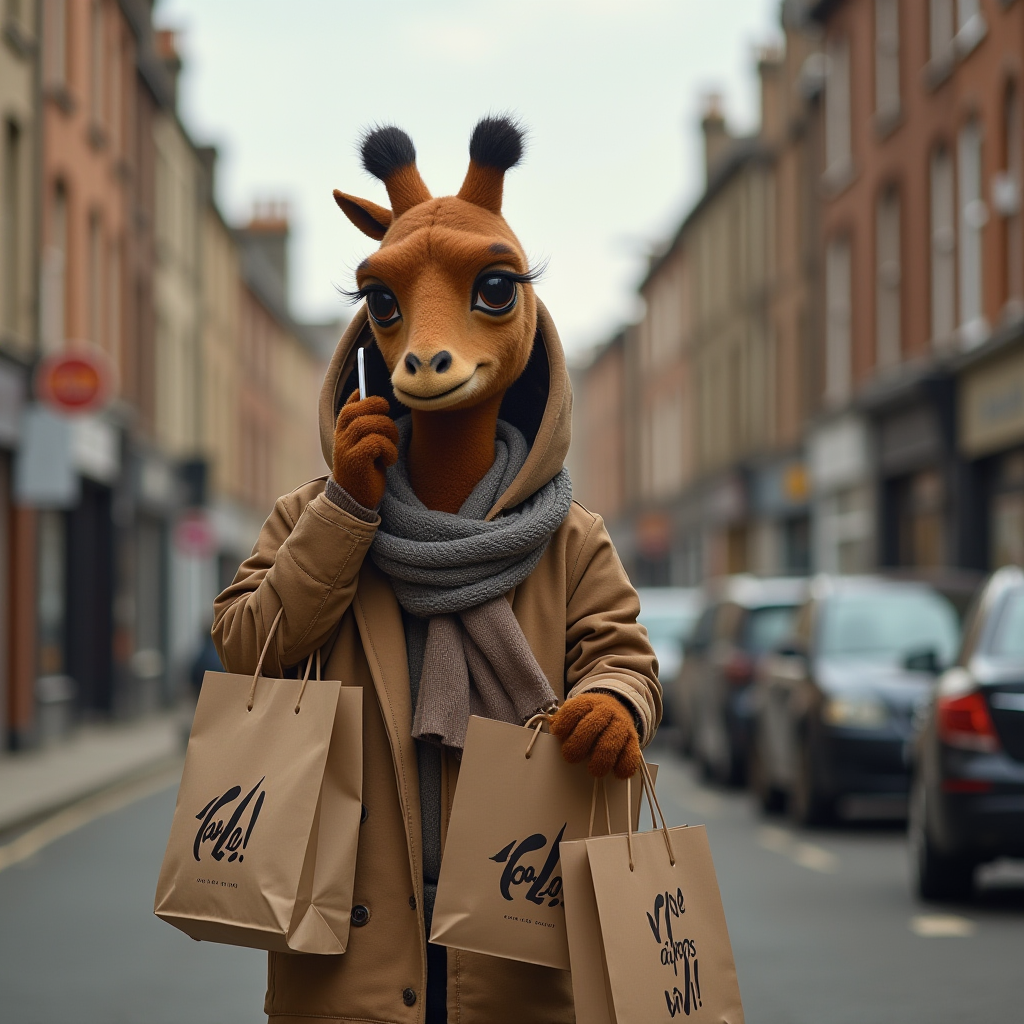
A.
pixel 610 90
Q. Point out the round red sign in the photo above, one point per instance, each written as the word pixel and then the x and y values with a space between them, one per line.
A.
pixel 77 381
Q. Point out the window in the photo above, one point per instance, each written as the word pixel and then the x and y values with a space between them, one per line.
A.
pixel 973 216
pixel 838 326
pixel 95 272
pixel 838 146
pixel 887 278
pixel 1006 201
pixel 52 324
pixel 96 62
pixel 887 58
pixel 113 339
pixel 941 29
pixel 943 247
pixel 55 37
pixel 11 214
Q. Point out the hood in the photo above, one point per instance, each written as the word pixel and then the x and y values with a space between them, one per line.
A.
pixel 539 403
pixel 887 680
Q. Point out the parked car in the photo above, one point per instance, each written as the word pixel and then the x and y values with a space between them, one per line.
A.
pixel 668 613
pixel 834 702
pixel 743 617
pixel 967 790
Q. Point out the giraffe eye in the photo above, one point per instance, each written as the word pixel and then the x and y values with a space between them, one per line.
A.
pixel 383 306
pixel 495 294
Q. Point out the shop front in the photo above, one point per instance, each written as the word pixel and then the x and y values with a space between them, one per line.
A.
pixel 991 439
pixel 842 495
pixel 781 542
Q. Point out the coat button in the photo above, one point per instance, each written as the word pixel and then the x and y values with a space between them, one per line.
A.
pixel 412 902
pixel 362 814
pixel 360 915
pixel 408 997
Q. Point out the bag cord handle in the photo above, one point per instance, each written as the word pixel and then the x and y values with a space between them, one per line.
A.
pixel 263 654
pixel 537 722
pixel 647 784
pixel 593 809
pixel 305 678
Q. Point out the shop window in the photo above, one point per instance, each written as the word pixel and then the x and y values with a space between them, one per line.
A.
pixel 838 121
pixel 887 279
pixel 973 217
pixel 838 327
pixel 921 521
pixel 887 59
pixel 1007 533
pixel 943 246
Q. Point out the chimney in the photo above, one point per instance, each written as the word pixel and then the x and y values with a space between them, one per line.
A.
pixel 716 135
pixel 267 233
pixel 769 69
pixel 165 41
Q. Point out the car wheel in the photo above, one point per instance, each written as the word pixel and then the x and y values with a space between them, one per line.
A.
pixel 807 804
pixel 934 876
pixel 769 797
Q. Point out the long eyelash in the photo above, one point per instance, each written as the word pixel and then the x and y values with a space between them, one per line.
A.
pixel 533 274
pixel 358 295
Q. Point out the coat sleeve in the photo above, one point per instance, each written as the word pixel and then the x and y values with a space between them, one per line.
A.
pixel 605 647
pixel 307 562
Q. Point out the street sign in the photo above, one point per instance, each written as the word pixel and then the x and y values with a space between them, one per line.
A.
pixel 74 381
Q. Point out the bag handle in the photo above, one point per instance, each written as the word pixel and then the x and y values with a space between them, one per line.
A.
pixel 647 783
pixel 263 655
pixel 593 809
pixel 541 719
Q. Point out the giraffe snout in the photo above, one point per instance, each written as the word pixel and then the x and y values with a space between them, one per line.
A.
pixel 439 363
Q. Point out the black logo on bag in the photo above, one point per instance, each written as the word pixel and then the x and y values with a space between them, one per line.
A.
pixel 544 885
pixel 676 952
pixel 229 838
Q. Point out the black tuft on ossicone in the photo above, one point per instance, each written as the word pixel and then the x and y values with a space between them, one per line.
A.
pixel 497 142
pixel 385 150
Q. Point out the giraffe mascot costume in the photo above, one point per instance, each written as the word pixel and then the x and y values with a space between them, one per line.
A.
pixel 444 567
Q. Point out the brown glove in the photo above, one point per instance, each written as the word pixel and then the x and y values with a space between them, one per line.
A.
pixel 365 444
pixel 598 726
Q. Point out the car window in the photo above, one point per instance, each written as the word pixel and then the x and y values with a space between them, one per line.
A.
pixel 727 622
pixel 1008 637
pixel 702 632
pixel 765 628
pixel 885 624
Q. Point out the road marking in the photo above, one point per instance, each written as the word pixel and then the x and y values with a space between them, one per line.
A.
pixel 942 926
pixel 29 843
pixel 807 855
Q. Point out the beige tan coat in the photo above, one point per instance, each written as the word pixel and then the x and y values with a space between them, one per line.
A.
pixel 311 559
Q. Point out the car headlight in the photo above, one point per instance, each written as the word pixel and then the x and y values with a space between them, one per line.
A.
pixel 855 712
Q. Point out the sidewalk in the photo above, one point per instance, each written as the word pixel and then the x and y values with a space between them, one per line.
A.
pixel 38 782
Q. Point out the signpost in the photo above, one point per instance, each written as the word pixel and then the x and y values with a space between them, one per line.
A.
pixel 74 381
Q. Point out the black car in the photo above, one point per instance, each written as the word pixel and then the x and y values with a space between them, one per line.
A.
pixel 834 704
pixel 967 794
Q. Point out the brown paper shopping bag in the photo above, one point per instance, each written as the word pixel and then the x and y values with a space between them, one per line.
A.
pixel 517 801
pixel 648 940
pixel 262 848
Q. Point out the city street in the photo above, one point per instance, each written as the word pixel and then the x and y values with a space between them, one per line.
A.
pixel 823 926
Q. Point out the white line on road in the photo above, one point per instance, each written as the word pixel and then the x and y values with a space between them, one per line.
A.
pixel 942 926
pixel 807 855
pixel 29 843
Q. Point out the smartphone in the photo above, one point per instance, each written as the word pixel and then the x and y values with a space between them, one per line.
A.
pixel 361 365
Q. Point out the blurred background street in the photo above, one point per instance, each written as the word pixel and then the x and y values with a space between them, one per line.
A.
pixel 784 245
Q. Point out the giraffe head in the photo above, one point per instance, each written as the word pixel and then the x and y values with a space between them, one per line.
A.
pixel 449 291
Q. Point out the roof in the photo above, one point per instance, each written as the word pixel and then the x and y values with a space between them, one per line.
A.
pixel 745 150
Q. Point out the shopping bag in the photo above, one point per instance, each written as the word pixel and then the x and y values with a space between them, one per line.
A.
pixel 517 800
pixel 648 940
pixel 262 849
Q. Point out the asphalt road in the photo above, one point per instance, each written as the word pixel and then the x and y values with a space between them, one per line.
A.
pixel 823 927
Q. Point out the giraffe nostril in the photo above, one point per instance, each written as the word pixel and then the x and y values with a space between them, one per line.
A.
pixel 412 363
pixel 442 362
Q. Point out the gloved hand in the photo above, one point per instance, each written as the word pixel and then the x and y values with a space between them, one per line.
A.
pixel 598 726
pixel 365 444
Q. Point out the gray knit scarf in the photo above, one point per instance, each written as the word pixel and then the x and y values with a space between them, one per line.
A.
pixel 455 570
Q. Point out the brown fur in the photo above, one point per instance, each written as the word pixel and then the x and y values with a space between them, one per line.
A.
pixel 599 727
pixel 431 254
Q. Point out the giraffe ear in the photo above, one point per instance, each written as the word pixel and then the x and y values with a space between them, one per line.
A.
pixel 371 219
